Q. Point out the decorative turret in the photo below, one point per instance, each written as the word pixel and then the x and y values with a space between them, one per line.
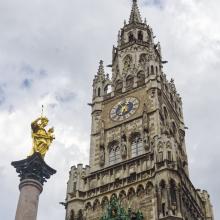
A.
pixel 100 82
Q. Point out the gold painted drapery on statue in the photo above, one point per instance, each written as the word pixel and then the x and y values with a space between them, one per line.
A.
pixel 42 139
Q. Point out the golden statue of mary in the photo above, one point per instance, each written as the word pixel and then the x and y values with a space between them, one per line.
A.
pixel 42 138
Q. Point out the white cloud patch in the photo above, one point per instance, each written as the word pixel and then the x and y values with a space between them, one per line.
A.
pixel 49 53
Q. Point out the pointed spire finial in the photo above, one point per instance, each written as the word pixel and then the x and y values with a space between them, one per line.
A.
pixel 135 16
pixel 42 111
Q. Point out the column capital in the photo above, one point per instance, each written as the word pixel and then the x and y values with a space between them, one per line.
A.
pixel 33 168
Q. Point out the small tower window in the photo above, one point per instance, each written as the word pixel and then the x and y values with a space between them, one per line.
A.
pixel 137 146
pixel 156 70
pixel 130 37
pixel 141 78
pixel 160 156
pixel 169 156
pixel 173 191
pixel 152 69
pixel 72 215
pixel 80 215
pixel 99 92
pixel 140 36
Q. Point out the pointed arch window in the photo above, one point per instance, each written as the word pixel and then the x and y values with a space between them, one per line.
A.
pixel 141 78
pixel 130 37
pixel 99 92
pixel 114 153
pixel 140 36
pixel 137 146
pixel 72 215
pixel 129 82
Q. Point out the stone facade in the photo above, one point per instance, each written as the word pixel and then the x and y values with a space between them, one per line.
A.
pixel 137 150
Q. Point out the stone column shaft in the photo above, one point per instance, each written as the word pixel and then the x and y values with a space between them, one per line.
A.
pixel 28 200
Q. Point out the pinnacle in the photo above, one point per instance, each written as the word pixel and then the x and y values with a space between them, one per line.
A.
pixel 101 68
pixel 135 16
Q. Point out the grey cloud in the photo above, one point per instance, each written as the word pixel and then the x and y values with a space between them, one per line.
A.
pixel 2 95
pixel 65 96
pixel 157 3
pixel 26 83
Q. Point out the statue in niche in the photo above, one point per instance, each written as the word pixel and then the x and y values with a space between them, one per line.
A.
pixel 146 140
pixel 102 132
pixel 145 118
pixel 102 155
pixel 123 146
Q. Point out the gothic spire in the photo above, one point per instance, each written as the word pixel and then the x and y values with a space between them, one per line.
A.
pixel 135 16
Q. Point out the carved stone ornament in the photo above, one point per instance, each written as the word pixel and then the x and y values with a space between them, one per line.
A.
pixel 102 156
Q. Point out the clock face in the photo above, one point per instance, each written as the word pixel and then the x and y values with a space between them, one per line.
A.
pixel 124 109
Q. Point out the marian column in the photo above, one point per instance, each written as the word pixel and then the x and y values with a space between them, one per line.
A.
pixel 33 171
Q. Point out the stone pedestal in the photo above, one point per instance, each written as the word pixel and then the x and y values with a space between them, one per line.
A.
pixel 33 172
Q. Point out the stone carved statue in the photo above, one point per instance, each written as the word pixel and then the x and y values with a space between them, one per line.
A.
pixel 146 141
pixel 102 156
pixel 145 117
pixel 102 132
pixel 42 138
pixel 123 147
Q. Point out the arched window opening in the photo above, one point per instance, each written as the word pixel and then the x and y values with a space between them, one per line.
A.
pixel 140 36
pixel 80 215
pixel 136 146
pixel 108 89
pixel 114 153
pixel 140 191
pixel 173 192
pixel 96 205
pixel 163 197
pixel 156 70
pixel 131 194
pixel 152 69
pixel 99 92
pixel 130 37
pixel 118 87
pixel 160 156
pixel 149 188
pixel 129 82
pixel 173 128
pixel 148 70
pixel 104 203
pixel 141 79
pixel 72 215
pixel 169 156
pixel 165 113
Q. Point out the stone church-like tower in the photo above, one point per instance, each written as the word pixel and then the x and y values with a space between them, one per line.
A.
pixel 137 150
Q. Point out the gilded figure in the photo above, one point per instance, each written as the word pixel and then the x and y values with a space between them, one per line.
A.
pixel 42 138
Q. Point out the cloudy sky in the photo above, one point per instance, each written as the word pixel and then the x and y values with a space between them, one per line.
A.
pixel 49 53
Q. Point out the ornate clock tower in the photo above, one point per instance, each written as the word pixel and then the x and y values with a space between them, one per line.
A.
pixel 137 151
